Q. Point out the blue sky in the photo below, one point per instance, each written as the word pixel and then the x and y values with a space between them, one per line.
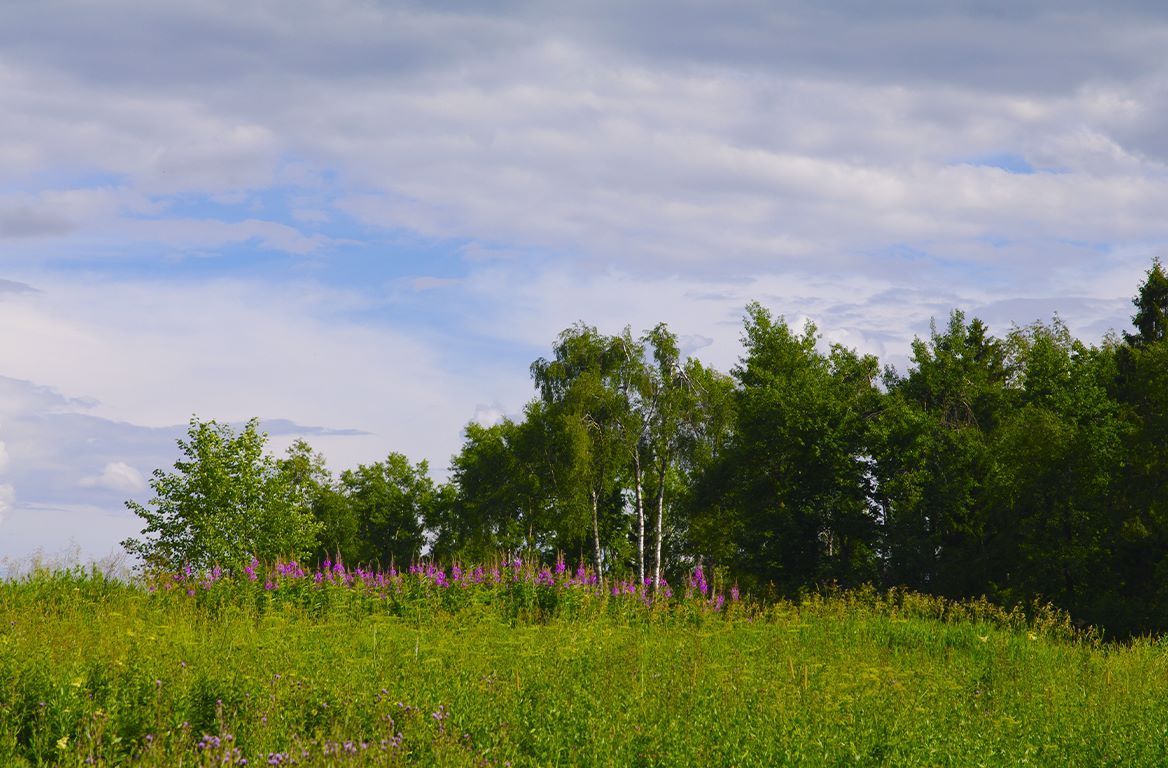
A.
pixel 362 221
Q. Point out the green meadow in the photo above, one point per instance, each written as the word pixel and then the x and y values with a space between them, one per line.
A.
pixel 98 671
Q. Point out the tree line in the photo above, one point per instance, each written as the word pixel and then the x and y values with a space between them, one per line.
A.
pixel 1028 466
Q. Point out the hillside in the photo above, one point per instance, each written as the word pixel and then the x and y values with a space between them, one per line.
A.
pixel 535 668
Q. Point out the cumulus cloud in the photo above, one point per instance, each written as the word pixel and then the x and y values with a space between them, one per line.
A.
pixel 116 476
pixel 7 495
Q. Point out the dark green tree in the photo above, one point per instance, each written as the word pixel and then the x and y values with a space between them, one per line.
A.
pixel 797 472
pixel 1151 317
pixel 1057 455
pixel 932 458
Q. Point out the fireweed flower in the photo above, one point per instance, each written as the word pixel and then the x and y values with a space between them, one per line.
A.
pixel 734 593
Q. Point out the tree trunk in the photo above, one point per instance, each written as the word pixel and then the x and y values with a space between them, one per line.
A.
pixel 596 534
pixel 640 513
pixel 660 523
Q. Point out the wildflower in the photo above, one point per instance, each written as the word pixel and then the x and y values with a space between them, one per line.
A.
pixel 734 593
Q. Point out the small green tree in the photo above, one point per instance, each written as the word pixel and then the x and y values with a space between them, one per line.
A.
pixel 226 500
pixel 390 500
pixel 1151 317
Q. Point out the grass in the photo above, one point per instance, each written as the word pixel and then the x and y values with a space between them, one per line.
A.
pixel 101 671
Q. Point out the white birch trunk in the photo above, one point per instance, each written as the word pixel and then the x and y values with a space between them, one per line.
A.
pixel 596 535
pixel 640 513
pixel 660 523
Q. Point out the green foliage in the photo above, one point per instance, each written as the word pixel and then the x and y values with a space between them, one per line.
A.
pixel 933 457
pixel 502 493
pixel 1030 466
pixel 1151 317
pixel 389 499
pixel 226 500
pixel 796 471
pixel 584 389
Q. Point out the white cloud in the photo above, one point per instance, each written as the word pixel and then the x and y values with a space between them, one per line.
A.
pixel 153 353
pixel 116 476
pixel 488 415
pixel 7 496
pixel 581 135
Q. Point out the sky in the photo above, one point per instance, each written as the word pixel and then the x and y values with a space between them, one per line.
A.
pixel 361 221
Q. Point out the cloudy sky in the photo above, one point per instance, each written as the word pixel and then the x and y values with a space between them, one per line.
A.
pixel 362 220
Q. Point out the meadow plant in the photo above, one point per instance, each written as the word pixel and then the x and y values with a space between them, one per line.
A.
pixel 525 664
pixel 517 590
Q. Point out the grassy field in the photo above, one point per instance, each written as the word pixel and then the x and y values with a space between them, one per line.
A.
pixel 536 668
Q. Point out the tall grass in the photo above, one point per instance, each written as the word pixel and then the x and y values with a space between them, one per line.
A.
pixel 284 670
